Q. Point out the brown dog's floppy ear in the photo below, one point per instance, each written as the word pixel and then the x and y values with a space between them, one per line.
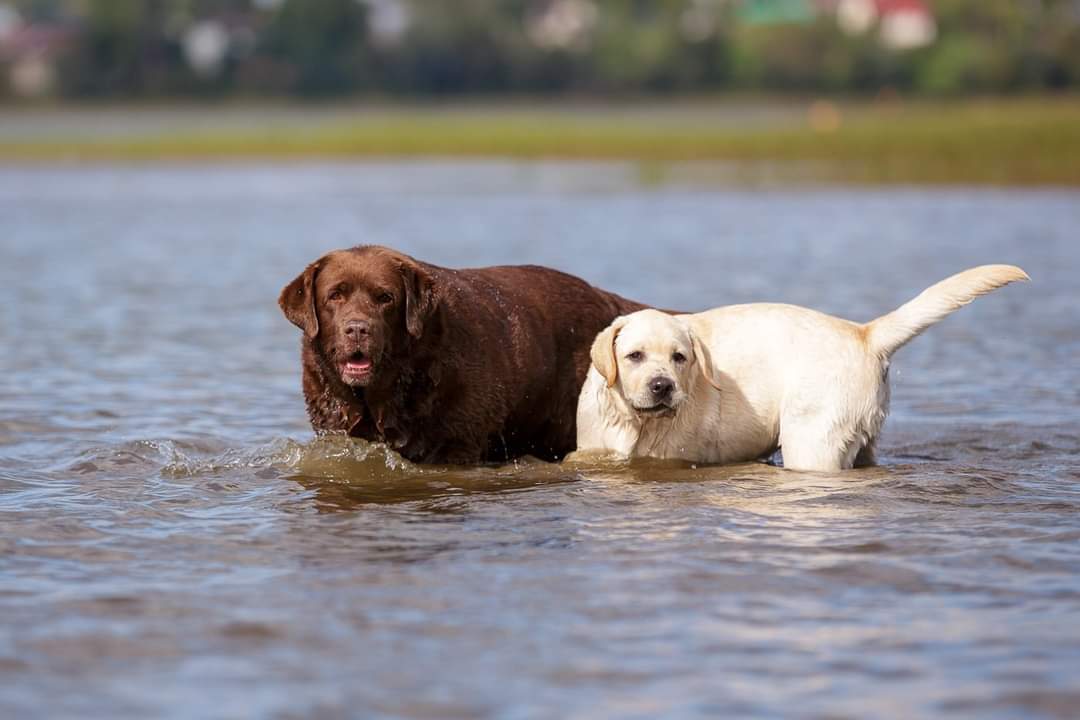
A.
pixel 297 301
pixel 603 351
pixel 419 298
pixel 704 359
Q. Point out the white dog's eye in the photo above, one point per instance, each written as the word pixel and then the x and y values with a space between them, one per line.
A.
pixel 636 356
pixel 678 357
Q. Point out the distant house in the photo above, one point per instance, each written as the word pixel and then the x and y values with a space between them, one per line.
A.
pixel 901 24
pixel 388 20
pixel 28 54
pixel 206 47
pixel 906 24
pixel 564 24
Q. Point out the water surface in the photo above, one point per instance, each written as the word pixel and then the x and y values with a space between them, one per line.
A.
pixel 175 543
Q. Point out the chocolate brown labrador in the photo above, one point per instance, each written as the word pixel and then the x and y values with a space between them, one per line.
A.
pixel 446 366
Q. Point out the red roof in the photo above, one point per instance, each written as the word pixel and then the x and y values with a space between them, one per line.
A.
pixel 888 7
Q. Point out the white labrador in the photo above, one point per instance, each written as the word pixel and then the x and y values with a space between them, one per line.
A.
pixel 735 383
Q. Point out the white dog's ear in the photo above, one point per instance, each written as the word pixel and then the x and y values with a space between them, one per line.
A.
pixel 704 359
pixel 603 351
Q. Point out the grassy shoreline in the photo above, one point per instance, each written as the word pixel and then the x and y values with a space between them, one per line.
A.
pixel 979 142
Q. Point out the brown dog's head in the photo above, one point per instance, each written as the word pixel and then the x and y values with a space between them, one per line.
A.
pixel 358 308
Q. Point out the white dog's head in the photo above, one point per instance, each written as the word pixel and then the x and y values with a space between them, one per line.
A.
pixel 652 360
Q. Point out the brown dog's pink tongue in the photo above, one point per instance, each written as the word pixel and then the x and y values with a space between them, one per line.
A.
pixel 357 366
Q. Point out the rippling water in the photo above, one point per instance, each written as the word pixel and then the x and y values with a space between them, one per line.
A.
pixel 174 543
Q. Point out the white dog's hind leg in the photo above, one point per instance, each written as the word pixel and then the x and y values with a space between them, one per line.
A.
pixel 813 457
pixel 814 454
pixel 818 452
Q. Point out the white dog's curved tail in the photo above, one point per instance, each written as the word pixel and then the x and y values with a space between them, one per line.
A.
pixel 891 332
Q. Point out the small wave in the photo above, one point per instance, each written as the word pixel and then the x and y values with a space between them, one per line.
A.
pixel 330 457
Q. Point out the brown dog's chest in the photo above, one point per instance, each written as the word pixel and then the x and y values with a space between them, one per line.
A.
pixel 404 419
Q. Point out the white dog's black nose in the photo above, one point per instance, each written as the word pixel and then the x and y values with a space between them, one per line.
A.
pixel 661 387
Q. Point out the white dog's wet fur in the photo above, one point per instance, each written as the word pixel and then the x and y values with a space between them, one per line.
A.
pixel 736 383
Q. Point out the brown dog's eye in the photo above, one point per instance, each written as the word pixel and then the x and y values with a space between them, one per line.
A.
pixel 384 298
pixel 335 295
pixel 636 356
pixel 678 357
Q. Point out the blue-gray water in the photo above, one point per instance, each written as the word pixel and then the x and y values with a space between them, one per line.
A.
pixel 173 542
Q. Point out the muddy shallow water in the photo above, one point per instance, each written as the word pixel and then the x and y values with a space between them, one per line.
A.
pixel 175 543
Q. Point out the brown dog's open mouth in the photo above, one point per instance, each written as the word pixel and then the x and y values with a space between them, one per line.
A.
pixel 358 365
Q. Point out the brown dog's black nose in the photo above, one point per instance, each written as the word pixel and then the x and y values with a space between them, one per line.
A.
pixel 661 387
pixel 357 328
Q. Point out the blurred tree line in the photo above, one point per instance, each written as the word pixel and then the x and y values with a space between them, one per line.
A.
pixel 166 48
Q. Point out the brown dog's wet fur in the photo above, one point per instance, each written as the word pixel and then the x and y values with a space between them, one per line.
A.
pixel 446 366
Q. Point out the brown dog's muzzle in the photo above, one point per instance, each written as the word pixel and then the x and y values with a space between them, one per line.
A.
pixel 360 350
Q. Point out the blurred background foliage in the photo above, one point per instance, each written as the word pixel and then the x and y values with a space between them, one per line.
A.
pixel 400 48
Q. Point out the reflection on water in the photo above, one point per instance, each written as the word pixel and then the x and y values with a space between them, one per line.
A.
pixel 173 542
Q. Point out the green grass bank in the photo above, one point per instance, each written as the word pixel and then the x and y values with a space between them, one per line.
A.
pixel 978 142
